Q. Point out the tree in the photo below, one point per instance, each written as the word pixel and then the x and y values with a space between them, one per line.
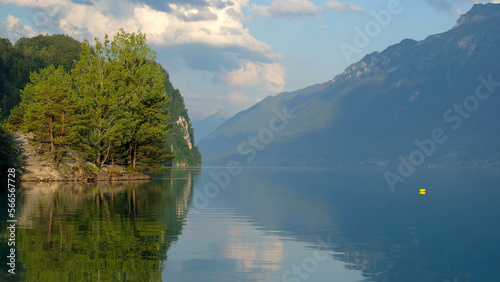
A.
pixel 112 108
pixel 27 55
pixel 8 150
pixel 50 102
pixel 143 82
pixel 98 81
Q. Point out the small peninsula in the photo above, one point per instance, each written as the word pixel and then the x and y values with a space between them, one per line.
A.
pixel 105 111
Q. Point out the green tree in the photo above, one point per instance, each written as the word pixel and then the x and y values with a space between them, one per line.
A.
pixel 27 55
pixel 123 100
pixel 50 111
pixel 143 82
pixel 8 150
pixel 98 81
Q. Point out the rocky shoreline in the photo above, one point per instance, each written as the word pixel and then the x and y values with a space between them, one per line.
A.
pixel 37 170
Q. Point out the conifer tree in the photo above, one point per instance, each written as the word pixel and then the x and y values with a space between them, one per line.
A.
pixel 102 101
pixel 143 82
pixel 50 104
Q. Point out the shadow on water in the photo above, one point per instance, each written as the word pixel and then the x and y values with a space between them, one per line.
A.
pixel 97 231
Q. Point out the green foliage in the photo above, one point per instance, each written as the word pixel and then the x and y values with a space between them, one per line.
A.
pixel 50 104
pixel 29 55
pixel 175 137
pixel 123 99
pixel 8 150
pixel 143 82
pixel 102 102
pixel 108 103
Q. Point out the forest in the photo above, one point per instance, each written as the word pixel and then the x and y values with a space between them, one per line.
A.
pixel 105 103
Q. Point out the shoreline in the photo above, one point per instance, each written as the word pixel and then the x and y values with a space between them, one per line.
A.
pixel 75 170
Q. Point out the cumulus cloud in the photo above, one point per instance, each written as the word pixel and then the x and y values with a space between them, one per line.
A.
pixel 267 76
pixel 206 35
pixel 287 8
pixel 211 22
pixel 14 28
pixel 343 7
pixel 203 36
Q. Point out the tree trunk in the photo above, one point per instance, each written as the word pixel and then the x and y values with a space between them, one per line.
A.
pixel 51 135
pixel 98 160
pixel 135 153
pixel 62 123
pixel 129 161
pixel 106 155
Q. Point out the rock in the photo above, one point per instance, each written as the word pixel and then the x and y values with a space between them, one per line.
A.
pixel 37 170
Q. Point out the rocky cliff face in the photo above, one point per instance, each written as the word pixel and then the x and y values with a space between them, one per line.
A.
pixel 185 128
pixel 180 137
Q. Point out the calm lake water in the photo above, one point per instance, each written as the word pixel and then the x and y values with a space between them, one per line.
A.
pixel 265 225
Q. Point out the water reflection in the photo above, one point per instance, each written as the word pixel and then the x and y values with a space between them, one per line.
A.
pixel 266 225
pixel 401 236
pixel 100 232
pixel 247 233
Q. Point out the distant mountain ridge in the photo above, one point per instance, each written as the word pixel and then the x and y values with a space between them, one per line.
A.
pixel 375 110
pixel 204 127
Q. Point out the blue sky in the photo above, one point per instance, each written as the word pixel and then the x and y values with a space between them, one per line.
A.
pixel 226 55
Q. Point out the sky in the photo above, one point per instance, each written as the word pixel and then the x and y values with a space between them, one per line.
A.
pixel 226 55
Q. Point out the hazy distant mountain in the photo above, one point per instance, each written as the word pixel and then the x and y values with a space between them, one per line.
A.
pixel 202 128
pixel 377 108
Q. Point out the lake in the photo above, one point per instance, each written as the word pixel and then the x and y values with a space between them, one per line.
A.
pixel 261 224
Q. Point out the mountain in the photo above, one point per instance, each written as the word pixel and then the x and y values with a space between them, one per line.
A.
pixel 207 125
pixel 432 101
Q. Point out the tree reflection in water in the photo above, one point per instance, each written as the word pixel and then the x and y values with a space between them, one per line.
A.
pixel 101 231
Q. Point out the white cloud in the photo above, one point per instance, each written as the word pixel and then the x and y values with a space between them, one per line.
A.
pixel 288 8
pixel 33 3
pixel 215 25
pixel 238 98
pixel 199 36
pixel 343 7
pixel 268 76
pixel 14 28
